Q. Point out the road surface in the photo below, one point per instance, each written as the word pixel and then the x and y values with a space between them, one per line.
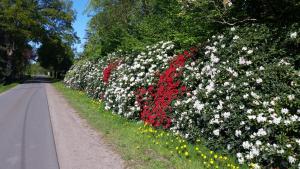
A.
pixel 40 130
pixel 26 137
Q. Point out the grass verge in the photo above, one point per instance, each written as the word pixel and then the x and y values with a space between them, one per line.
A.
pixel 142 146
pixel 4 88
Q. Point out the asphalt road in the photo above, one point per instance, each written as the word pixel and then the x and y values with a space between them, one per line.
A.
pixel 26 137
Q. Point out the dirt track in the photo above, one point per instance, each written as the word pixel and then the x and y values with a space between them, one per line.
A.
pixel 78 146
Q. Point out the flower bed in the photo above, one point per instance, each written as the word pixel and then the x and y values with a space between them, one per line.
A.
pixel 238 92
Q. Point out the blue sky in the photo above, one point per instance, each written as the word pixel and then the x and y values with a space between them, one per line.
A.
pixel 81 22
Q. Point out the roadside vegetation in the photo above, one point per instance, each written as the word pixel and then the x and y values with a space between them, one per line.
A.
pixel 5 87
pixel 225 73
pixel 142 146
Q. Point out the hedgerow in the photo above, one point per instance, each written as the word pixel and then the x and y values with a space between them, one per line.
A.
pixel 238 90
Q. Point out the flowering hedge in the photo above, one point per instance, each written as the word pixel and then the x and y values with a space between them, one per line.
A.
pixel 238 91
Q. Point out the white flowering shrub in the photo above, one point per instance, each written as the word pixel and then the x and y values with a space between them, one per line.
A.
pixel 133 73
pixel 244 97
pixel 242 92
pixel 94 86
pixel 77 76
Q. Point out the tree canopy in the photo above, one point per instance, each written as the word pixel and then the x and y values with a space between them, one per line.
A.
pixel 133 24
pixel 37 21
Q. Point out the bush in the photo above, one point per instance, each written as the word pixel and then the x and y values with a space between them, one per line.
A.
pixel 134 72
pixel 240 91
pixel 244 96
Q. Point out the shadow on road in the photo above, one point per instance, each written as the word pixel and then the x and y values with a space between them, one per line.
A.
pixel 40 79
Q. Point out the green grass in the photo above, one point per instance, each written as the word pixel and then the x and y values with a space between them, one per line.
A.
pixel 4 88
pixel 142 146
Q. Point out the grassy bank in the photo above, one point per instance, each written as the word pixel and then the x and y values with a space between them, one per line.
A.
pixel 141 146
pixel 3 88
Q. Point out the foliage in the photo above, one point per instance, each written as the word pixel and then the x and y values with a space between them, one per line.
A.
pixel 132 25
pixel 245 92
pixel 143 146
pixel 36 69
pixel 55 56
pixel 6 87
pixel 24 21
pixel 125 81
pixel 242 88
pixel 156 101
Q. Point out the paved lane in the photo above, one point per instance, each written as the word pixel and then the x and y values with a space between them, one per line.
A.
pixel 26 137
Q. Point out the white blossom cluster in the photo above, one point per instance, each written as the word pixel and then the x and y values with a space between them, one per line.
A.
pixel 77 75
pixel 234 101
pixel 135 72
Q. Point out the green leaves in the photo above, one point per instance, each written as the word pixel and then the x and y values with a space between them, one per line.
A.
pixel 24 21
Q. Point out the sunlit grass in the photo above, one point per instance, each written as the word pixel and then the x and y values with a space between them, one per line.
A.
pixel 140 145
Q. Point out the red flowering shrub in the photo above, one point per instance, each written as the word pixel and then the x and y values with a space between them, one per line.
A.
pixel 156 101
pixel 107 70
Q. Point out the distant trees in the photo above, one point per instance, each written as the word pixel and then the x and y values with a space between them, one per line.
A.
pixel 55 56
pixel 24 21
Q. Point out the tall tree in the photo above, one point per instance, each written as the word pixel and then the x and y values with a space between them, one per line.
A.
pixel 23 21
pixel 55 56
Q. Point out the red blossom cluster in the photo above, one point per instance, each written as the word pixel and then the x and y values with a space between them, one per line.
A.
pixel 156 101
pixel 107 71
